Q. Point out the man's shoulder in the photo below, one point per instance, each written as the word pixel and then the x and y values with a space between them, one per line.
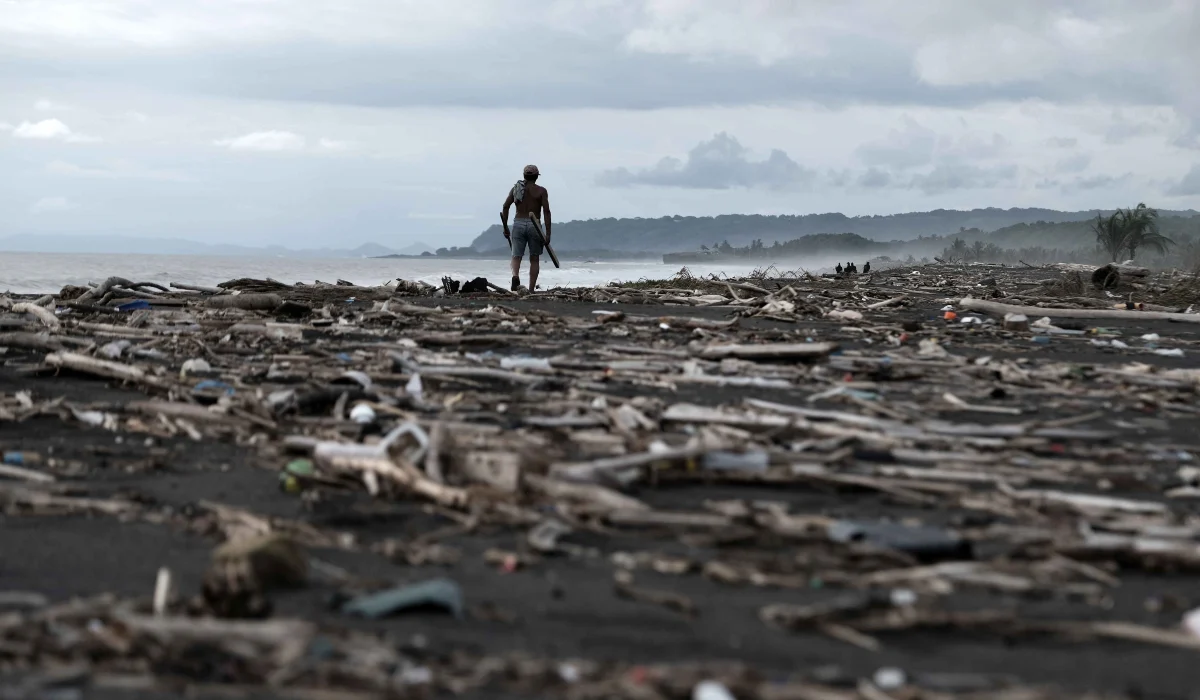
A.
pixel 540 189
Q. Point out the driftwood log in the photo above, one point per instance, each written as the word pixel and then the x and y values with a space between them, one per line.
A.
pixel 998 309
pixel 46 316
pixel 121 285
pixel 245 302
pixel 1124 270
pixel 197 288
pixel 769 351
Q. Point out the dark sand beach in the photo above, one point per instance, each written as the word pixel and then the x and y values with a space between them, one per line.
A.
pixel 1136 431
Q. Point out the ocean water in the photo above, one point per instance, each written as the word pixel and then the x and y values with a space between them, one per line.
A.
pixel 37 273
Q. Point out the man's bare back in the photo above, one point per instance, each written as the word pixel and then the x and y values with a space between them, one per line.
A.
pixel 530 199
pixel 535 200
pixel 536 197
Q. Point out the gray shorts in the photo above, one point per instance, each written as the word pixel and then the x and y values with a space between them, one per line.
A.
pixel 524 233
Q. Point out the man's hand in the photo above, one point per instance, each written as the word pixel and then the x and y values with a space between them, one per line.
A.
pixel 507 233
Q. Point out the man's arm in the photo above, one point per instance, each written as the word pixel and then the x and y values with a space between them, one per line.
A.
pixel 508 202
pixel 546 211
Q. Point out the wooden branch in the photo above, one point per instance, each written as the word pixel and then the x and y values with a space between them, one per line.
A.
pixel 46 316
pixel 101 290
pixel 436 371
pixel 747 287
pixel 30 341
pixel 502 290
pixel 768 351
pixel 287 640
pixel 584 471
pixel 103 368
pixel 687 322
pixel 887 302
pixel 603 498
pixel 89 308
pixel 198 288
pixel 997 309
pixel 246 302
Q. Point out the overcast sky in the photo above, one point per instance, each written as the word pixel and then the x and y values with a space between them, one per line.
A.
pixel 336 122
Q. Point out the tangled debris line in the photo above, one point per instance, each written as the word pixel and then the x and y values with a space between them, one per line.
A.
pixel 121 645
pixel 1003 472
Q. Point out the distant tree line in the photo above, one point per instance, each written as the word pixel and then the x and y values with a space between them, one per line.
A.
pixel 1138 231
pixel 980 251
pixel 687 233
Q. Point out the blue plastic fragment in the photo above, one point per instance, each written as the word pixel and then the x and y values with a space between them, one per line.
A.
pixel 321 648
pixel 864 395
pixel 923 542
pixel 134 305
pixel 441 592
pixel 210 384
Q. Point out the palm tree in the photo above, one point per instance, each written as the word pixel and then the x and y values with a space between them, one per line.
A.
pixel 958 250
pixel 1141 229
pixel 1111 234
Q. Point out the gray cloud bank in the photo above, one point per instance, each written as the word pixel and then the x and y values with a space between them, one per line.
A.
pixel 1188 185
pixel 637 55
pixel 264 122
pixel 723 163
pixel 718 164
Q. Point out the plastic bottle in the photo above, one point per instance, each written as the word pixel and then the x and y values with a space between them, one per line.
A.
pixel 711 690
pixel 362 414
pixel 22 459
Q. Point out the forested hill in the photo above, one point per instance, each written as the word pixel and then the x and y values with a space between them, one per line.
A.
pixel 1178 226
pixel 686 233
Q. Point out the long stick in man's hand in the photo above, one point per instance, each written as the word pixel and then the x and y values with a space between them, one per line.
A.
pixel 538 225
pixel 504 224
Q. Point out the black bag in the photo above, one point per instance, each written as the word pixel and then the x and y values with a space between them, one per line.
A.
pixel 479 285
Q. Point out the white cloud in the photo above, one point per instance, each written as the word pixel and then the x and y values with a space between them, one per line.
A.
pixel 946 178
pixel 280 141
pixel 137 117
pixel 765 31
pixel 333 145
pixel 154 24
pixel 719 163
pixel 5 126
pixel 908 148
pixel 48 106
pixel 47 205
pixel 1074 164
pixel 51 130
pixel 268 141
pixel 443 217
pixel 45 129
pixel 120 170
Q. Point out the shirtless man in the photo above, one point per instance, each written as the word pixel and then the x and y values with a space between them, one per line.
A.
pixel 530 198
